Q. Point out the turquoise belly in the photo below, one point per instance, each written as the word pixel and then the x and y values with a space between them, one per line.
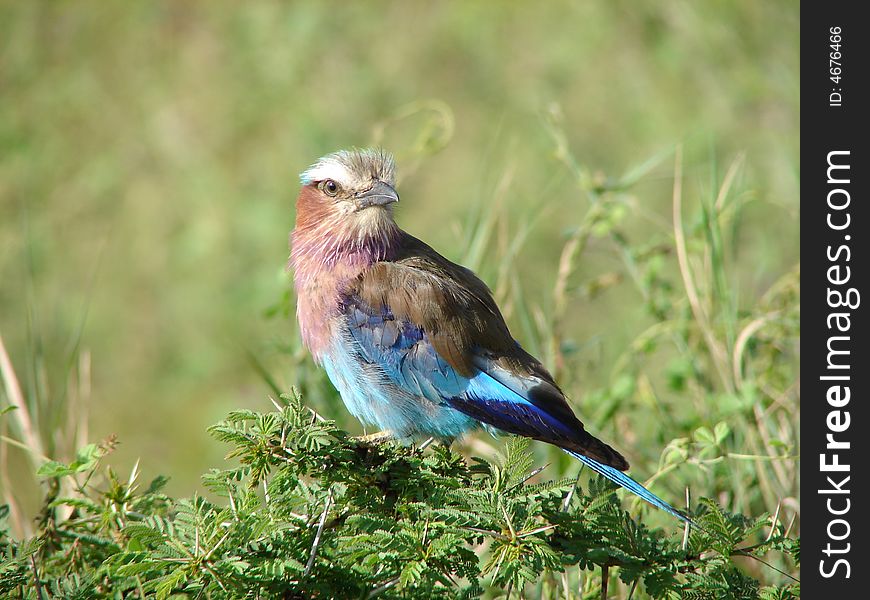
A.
pixel 375 400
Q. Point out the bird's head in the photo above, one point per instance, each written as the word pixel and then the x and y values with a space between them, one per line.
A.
pixel 345 207
pixel 350 181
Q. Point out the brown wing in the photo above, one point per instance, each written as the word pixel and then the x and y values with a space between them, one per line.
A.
pixel 446 300
pixel 464 325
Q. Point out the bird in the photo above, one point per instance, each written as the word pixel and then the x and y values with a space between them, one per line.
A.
pixel 413 342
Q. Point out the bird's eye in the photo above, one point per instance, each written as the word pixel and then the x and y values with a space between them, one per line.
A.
pixel 330 187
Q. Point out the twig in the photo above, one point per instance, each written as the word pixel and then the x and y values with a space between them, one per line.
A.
pixel 790 523
pixel 728 181
pixel 36 581
pixel 535 531
pixel 216 546
pixel 316 543
pixel 567 501
pixel 633 587
pixel 21 445
pixel 773 521
pixel 764 562
pixel 742 340
pixel 720 357
pixel 33 446
pixel 527 477
pixel 495 534
pixel 508 521
pixel 688 527
pixel 16 399
pixel 382 588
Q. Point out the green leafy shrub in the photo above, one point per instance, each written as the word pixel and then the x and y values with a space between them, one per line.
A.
pixel 310 512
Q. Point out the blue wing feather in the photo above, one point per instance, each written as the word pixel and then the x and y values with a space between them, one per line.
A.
pixel 492 395
pixel 409 359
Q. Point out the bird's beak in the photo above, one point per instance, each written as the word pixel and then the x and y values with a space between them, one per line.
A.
pixel 380 194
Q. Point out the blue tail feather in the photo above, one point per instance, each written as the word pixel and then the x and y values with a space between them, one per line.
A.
pixel 621 479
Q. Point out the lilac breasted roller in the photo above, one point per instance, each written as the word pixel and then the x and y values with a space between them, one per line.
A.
pixel 415 343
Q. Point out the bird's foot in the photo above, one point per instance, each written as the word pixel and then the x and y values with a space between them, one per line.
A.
pixel 376 439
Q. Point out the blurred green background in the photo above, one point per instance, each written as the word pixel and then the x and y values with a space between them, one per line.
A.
pixel 149 155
